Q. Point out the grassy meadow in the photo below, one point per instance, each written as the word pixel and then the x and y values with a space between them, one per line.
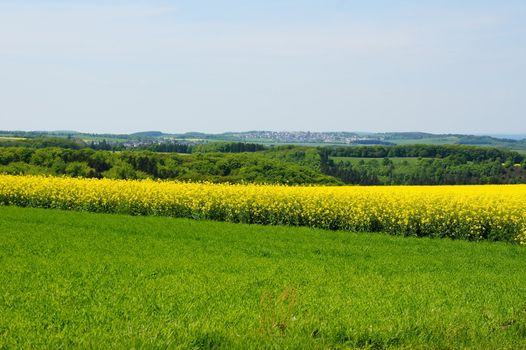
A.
pixel 397 161
pixel 84 280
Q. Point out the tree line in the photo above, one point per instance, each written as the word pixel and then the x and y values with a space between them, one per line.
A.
pixel 157 146
pixel 451 170
pixel 212 166
pixel 246 162
pixel 463 153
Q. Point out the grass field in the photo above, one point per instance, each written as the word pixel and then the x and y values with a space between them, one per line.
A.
pixel 397 161
pixel 79 280
pixel 446 140
pixel 10 138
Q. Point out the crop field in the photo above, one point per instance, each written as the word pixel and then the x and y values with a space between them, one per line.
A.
pixel 85 280
pixel 446 140
pixel 488 212
pixel 398 161
pixel 11 138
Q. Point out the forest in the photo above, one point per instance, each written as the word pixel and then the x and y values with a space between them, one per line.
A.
pixel 238 162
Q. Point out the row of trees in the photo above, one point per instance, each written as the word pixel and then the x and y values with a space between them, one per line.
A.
pixel 461 152
pixel 162 147
pixel 425 171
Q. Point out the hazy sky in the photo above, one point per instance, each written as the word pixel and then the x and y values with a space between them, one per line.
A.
pixel 234 65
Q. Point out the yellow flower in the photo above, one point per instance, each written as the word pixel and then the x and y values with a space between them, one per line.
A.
pixel 469 212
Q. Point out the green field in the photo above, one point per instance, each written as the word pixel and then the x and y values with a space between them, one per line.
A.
pixel 9 138
pixel 445 140
pixel 397 161
pixel 81 280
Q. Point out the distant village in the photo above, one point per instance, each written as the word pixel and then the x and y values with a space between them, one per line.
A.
pixel 302 137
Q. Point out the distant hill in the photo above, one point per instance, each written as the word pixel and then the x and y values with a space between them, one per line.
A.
pixel 509 136
pixel 148 134
pixel 335 138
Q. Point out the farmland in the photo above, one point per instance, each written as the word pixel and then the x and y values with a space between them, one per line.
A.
pixel 128 266
pixel 467 212
pixel 96 280
pixel 396 160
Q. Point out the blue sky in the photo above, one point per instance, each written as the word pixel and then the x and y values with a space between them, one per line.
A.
pixel 213 66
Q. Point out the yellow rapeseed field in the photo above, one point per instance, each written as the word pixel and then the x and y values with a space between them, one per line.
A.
pixel 494 212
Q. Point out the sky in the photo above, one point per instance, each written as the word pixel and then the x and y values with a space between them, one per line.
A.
pixel 440 66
